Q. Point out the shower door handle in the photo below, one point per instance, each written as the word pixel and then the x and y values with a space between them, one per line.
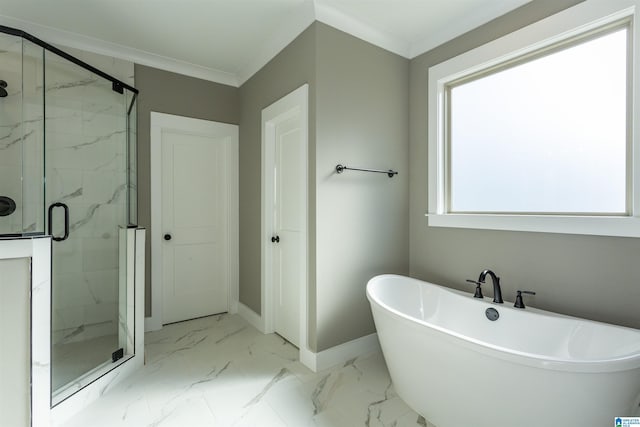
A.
pixel 66 221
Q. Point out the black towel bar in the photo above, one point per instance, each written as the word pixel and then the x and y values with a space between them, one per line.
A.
pixel 390 173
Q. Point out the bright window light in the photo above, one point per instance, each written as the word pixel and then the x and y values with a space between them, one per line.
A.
pixel 543 135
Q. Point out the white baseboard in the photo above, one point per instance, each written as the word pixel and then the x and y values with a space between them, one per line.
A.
pixel 152 324
pixel 340 354
pixel 309 359
pixel 327 358
pixel 233 307
pixel 251 316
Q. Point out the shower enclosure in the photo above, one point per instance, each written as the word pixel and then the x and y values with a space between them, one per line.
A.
pixel 67 169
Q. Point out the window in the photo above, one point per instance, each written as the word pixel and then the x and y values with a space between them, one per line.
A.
pixel 535 131
pixel 547 135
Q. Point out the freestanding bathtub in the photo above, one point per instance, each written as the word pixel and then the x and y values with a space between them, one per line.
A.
pixel 457 368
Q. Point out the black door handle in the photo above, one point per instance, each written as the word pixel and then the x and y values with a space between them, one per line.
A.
pixel 275 239
pixel 167 236
pixel 66 221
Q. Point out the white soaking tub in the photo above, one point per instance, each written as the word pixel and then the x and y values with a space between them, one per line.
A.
pixel 457 368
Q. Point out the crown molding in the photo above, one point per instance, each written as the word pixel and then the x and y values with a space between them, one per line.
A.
pixel 90 44
pixel 336 19
pixel 295 24
pixel 490 11
pixel 308 12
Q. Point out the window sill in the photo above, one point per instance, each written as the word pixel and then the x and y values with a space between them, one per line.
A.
pixel 587 225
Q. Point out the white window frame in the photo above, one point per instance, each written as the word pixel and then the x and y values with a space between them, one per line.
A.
pixel 570 23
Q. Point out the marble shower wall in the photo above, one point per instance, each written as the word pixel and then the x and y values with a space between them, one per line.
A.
pixel 21 135
pixel 86 168
pixel 11 131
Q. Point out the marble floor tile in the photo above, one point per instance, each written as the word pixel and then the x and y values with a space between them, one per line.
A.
pixel 220 371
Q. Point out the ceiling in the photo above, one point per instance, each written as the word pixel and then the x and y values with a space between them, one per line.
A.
pixel 227 41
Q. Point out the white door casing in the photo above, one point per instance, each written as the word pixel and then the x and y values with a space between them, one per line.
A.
pixel 284 214
pixel 194 198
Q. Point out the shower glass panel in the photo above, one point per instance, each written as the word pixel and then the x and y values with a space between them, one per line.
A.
pixel 87 177
pixel 33 212
pixel 21 137
pixel 68 169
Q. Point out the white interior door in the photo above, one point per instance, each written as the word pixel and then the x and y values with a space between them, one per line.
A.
pixel 284 218
pixel 196 177
pixel 287 226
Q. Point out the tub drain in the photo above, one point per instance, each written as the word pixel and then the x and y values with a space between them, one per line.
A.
pixel 492 314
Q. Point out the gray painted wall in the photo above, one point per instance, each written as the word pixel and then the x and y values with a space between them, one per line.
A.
pixel 587 276
pixel 362 121
pixel 290 69
pixel 358 114
pixel 166 92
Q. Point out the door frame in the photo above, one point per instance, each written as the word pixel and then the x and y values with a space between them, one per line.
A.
pixel 271 116
pixel 159 123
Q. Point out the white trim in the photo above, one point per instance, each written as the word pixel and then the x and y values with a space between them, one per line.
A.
pixel 566 24
pixel 160 122
pixel 308 358
pixel 152 323
pixel 285 33
pixel 327 14
pixel 327 358
pixel 41 362
pixel 90 44
pixel 343 22
pixel 251 316
pixel 490 11
pixel 588 225
pixel 296 100
pixel 139 303
pixel 233 223
pixel 341 353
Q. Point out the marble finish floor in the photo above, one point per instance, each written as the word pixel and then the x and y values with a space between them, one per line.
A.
pixel 220 371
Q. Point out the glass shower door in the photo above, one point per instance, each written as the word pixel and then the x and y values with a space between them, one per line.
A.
pixel 86 172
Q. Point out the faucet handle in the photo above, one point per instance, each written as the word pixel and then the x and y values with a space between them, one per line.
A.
pixel 519 303
pixel 478 293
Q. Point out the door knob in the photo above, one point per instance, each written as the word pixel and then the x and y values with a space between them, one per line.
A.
pixel 275 239
pixel 167 236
